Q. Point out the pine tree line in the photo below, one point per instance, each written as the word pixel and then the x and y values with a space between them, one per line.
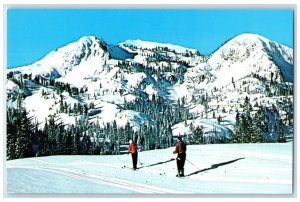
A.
pixel 263 125
pixel 27 139
pixel 19 134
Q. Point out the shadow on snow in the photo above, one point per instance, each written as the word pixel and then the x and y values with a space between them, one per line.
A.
pixel 155 164
pixel 214 166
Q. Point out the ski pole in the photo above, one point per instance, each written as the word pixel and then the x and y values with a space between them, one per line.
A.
pixel 140 161
pixel 192 164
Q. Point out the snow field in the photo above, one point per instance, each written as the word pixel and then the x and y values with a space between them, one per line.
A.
pixel 209 169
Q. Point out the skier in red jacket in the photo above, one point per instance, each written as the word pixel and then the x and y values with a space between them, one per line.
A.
pixel 180 150
pixel 134 154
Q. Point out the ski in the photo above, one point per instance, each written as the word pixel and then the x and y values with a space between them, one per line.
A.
pixel 126 167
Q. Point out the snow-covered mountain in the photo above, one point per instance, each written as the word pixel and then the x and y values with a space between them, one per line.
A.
pixel 250 53
pixel 166 87
pixel 84 56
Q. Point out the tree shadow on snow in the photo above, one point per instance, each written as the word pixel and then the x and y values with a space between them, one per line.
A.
pixel 155 164
pixel 214 166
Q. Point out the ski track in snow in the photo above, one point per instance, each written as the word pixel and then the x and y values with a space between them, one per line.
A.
pixel 119 183
pixel 78 163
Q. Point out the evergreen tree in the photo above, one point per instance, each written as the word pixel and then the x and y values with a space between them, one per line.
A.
pixel 61 104
pixel 45 144
pixel 197 136
pixel 23 139
pixel 69 143
pixel 237 129
pixel 258 126
pixel 244 131
pixel 281 136
pixel 11 137
pixel 76 143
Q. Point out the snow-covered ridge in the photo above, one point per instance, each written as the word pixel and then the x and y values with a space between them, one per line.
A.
pixel 150 45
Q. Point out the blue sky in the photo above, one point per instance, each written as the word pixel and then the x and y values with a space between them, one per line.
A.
pixel 32 33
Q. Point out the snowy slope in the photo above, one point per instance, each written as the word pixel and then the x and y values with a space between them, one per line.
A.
pixel 239 58
pixel 119 53
pixel 243 66
pixel 209 169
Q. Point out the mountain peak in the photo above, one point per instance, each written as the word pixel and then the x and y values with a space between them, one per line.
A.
pixel 88 40
pixel 84 55
pixel 249 36
pixel 246 39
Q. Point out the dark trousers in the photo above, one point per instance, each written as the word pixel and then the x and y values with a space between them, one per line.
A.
pixel 180 163
pixel 134 159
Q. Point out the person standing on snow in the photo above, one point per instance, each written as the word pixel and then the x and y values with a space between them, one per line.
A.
pixel 180 150
pixel 134 154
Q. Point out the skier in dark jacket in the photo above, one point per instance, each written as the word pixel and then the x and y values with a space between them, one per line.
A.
pixel 180 150
pixel 134 154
